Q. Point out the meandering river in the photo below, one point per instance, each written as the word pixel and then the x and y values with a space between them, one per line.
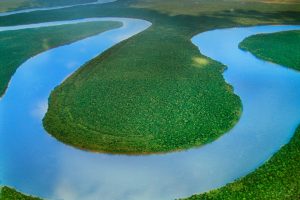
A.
pixel 34 162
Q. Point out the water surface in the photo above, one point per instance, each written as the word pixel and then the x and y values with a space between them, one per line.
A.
pixel 34 162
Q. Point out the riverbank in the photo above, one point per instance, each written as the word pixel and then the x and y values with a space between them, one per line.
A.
pixel 277 179
pixel 20 45
pixel 7 193
pixel 278 48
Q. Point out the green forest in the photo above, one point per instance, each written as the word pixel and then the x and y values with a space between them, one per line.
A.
pixel 278 48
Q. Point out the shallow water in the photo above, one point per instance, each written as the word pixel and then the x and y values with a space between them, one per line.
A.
pixel 34 162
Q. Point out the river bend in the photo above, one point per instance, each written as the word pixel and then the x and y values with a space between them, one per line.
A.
pixel 34 162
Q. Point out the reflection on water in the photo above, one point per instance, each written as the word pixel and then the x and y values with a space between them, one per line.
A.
pixel 34 162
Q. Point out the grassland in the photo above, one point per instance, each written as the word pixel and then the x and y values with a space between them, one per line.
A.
pixel 33 41
pixel 7 193
pixel 282 48
pixel 154 92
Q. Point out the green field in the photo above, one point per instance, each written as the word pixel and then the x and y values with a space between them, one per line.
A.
pixel 34 41
pixel 282 48
pixel 7 193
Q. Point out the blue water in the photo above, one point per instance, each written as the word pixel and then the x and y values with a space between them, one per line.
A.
pixel 34 162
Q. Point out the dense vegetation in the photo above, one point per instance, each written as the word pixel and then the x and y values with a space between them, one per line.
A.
pixel 279 47
pixel 277 179
pixel 9 5
pixel 7 193
pixel 212 7
pixel 153 92
pixel 128 103
pixel 33 41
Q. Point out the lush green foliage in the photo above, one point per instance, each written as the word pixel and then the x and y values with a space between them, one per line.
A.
pixel 154 92
pixel 33 41
pixel 282 48
pixel 278 179
pixel 7 193
pixel 128 103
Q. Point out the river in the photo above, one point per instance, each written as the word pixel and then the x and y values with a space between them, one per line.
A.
pixel 35 163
